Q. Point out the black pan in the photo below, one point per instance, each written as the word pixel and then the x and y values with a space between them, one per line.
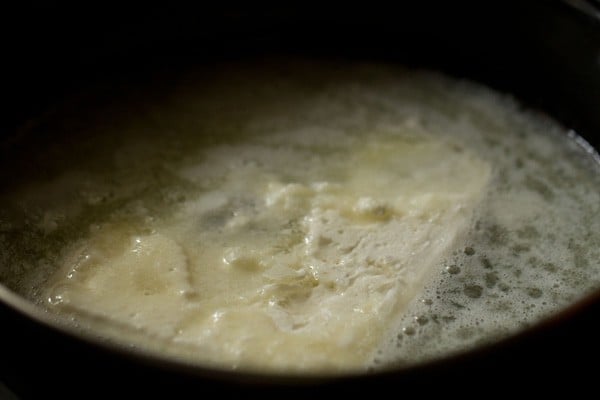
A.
pixel 546 53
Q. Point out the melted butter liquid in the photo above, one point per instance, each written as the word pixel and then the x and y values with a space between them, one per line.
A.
pixel 295 274
pixel 313 221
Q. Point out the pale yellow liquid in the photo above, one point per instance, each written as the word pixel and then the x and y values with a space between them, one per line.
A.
pixel 269 272
pixel 311 218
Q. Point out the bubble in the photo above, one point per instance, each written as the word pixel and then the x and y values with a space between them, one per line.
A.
pixel 534 292
pixel 486 263
pixel 409 331
pixel 491 278
pixel 453 269
pixel 55 300
pixel 469 251
pixel 473 291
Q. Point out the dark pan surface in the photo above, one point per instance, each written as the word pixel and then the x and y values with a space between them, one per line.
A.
pixel 545 53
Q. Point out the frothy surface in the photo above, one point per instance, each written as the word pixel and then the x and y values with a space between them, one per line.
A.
pixel 289 219
pixel 294 259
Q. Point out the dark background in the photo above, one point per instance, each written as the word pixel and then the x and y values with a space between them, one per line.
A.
pixel 547 53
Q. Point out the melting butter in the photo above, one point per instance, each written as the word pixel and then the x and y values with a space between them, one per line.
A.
pixel 302 217
pixel 282 266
